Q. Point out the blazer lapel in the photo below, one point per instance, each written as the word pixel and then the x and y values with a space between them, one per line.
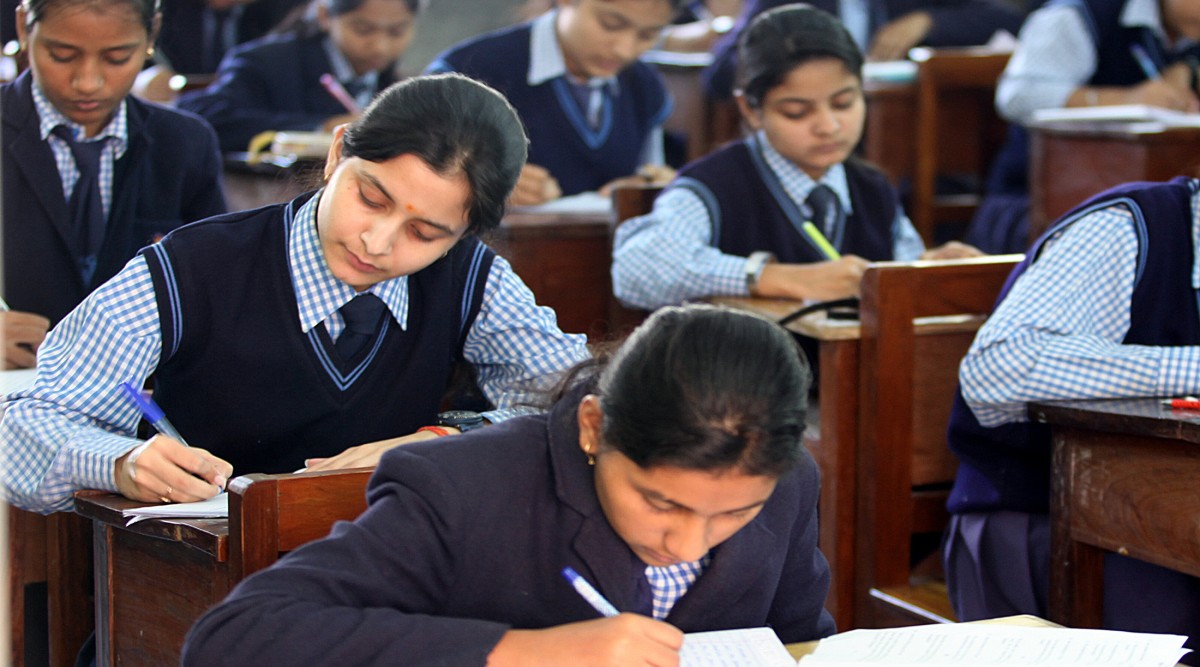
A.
pixel 728 578
pixel 34 160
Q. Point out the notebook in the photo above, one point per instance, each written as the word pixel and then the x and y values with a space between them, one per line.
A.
pixel 215 507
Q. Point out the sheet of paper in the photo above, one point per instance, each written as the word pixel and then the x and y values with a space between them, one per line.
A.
pixel 14 380
pixel 1006 646
pixel 584 202
pixel 892 71
pixel 752 647
pixel 1130 113
pixel 215 507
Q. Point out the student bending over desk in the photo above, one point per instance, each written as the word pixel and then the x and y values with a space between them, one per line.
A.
pixel 91 174
pixel 282 82
pixel 289 333
pixel 1104 306
pixel 787 212
pixel 594 112
pixel 673 480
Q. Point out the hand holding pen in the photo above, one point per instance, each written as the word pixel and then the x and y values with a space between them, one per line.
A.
pixel 616 639
pixel 164 468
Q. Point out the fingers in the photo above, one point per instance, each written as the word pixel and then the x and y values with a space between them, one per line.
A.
pixel 162 470
pixel 18 355
pixel 535 186
pixel 23 334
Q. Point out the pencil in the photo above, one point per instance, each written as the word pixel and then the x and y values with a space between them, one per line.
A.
pixel 821 242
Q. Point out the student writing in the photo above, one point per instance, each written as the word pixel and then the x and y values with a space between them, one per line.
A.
pixel 675 482
pixel 90 174
pixel 274 83
pixel 1076 54
pixel 1104 306
pixel 594 112
pixel 303 330
pixel 733 223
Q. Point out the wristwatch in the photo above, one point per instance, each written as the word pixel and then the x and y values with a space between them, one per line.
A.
pixel 754 267
pixel 463 420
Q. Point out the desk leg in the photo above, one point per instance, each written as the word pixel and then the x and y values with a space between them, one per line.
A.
pixel 1076 568
pixel 102 575
pixel 835 456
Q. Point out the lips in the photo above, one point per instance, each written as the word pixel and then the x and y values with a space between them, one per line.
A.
pixel 87 106
pixel 359 265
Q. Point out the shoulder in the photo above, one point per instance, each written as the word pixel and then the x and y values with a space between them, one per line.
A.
pixel 735 153
pixel 273 48
pixel 160 118
pixel 511 454
pixel 490 51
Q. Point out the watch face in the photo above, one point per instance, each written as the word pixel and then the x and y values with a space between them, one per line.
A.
pixel 463 420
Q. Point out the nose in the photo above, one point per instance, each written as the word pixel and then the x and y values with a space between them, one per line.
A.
pixel 380 237
pixel 89 77
pixel 688 541
pixel 626 46
pixel 827 122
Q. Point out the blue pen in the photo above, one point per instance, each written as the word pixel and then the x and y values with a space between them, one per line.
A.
pixel 153 413
pixel 1144 61
pixel 590 594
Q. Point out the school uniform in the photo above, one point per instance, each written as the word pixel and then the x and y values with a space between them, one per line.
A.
pixel 238 317
pixel 585 134
pixel 275 84
pixel 194 37
pixel 155 187
pixel 955 23
pixel 1065 45
pixel 1104 306
pixel 419 577
pixel 745 198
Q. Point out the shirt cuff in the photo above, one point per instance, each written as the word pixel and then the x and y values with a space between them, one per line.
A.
pixel 95 460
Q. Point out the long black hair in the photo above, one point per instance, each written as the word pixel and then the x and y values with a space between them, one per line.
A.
pixel 456 125
pixel 35 10
pixel 706 388
pixel 781 39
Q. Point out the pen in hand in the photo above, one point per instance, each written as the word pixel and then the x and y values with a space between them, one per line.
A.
pixel 153 413
pixel 589 593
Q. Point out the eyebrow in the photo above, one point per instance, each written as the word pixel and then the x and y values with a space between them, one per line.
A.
pixel 630 22
pixel 805 100
pixel 655 495
pixel 55 44
pixel 449 231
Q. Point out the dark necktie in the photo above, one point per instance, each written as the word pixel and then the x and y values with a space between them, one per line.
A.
pixel 87 209
pixel 362 314
pixel 827 212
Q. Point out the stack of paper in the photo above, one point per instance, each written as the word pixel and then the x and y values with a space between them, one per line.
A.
pixel 753 647
pixel 1122 113
pixel 215 507
pixel 999 645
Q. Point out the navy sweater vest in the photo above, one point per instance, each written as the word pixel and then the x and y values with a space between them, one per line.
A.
pixel 581 159
pixel 239 378
pixel 750 211
pixel 1008 467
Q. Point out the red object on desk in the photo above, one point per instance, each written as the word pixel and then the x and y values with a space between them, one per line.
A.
pixel 1183 403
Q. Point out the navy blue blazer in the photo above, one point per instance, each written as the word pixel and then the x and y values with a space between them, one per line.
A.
pixel 955 23
pixel 170 175
pixel 182 40
pixel 465 537
pixel 272 83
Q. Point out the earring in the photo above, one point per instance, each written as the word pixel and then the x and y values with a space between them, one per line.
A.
pixel 590 456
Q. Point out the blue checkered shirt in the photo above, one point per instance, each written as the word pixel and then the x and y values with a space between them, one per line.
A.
pixel 1058 333
pixel 669 584
pixel 667 256
pixel 67 431
pixel 115 133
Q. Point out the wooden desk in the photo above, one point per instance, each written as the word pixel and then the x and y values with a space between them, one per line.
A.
pixel 1069 162
pixel 834 441
pixel 155 578
pixel 1124 480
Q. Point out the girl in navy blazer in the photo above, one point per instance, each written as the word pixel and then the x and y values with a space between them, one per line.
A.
pixel 275 83
pixel 674 481
pixel 157 168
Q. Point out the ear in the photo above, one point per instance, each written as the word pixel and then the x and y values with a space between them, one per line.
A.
pixel 591 418
pixel 22 29
pixel 335 151
pixel 324 22
pixel 751 116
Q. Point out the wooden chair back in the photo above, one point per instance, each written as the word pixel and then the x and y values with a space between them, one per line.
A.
pixel 908 376
pixel 270 515
pixel 50 573
pixel 629 201
pixel 958 131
